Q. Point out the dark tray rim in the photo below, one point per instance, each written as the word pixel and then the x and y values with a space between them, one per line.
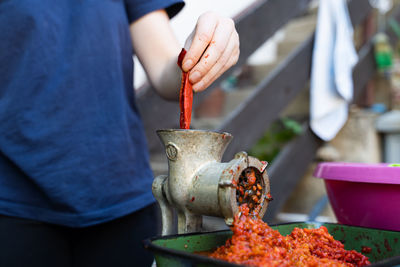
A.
pixel 148 244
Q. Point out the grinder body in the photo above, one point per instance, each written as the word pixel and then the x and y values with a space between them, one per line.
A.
pixel 198 183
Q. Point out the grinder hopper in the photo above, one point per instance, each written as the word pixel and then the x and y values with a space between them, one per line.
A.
pixel 198 183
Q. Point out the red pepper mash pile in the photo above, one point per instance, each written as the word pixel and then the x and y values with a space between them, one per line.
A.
pixel 254 243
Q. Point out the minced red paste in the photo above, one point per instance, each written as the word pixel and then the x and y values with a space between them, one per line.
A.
pixel 254 243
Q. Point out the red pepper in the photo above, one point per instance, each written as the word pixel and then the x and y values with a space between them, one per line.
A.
pixel 254 243
pixel 185 95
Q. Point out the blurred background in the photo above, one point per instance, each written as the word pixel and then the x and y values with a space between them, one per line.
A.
pixel 264 101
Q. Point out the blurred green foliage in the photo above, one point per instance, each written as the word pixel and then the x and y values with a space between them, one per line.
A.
pixel 278 135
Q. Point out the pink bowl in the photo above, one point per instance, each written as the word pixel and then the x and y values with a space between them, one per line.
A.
pixel 363 194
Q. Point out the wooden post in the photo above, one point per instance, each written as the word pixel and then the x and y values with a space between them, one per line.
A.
pixel 367 97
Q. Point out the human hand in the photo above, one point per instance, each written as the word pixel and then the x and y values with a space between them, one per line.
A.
pixel 212 48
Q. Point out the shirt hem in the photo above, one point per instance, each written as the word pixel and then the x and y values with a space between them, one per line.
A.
pixel 75 220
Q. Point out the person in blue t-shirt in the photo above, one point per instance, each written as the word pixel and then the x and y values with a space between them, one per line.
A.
pixel 75 180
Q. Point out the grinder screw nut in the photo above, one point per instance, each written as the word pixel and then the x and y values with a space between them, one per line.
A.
pixel 172 151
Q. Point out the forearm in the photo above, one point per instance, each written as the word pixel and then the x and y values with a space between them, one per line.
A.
pixel 158 49
pixel 169 82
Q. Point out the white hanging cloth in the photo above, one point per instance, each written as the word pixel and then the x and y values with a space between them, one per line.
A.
pixel 334 57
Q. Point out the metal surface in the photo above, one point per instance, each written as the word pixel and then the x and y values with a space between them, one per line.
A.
pixel 198 183
pixel 167 213
pixel 183 250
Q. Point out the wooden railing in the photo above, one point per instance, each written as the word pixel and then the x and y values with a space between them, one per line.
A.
pixel 255 25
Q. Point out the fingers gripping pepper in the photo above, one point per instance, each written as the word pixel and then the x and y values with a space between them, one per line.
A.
pixel 185 96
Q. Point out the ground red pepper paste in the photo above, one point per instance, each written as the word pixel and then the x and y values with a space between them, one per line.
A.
pixel 254 243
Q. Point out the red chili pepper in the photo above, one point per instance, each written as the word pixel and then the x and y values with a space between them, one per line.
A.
pixel 185 95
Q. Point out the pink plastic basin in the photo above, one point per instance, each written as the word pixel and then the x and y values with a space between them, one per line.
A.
pixel 363 194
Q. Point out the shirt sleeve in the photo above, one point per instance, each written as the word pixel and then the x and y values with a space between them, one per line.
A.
pixel 138 8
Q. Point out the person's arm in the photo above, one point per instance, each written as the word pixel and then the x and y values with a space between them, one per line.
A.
pixel 213 47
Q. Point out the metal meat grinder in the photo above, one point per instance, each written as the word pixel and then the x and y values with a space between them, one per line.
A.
pixel 198 183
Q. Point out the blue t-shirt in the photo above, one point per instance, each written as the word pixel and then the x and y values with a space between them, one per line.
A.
pixel 72 146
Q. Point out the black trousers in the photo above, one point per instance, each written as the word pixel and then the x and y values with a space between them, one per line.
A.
pixel 116 243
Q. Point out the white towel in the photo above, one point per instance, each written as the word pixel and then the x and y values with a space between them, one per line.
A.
pixel 334 57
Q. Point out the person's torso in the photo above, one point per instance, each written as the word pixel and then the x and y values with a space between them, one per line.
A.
pixel 71 141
